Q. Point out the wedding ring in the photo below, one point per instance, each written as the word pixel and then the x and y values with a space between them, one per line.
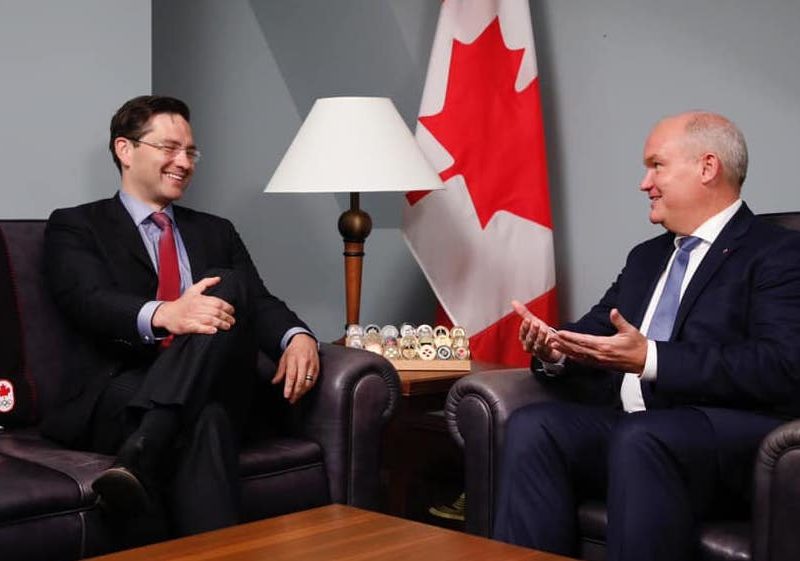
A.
pixel 309 377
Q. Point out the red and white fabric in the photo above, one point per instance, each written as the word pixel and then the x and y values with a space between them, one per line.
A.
pixel 487 238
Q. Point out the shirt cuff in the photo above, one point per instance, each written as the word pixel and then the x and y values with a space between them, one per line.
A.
pixel 552 368
pixel 144 321
pixel 650 362
pixel 292 332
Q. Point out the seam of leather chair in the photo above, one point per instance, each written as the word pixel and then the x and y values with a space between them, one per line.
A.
pixel 389 376
pixel 351 447
pixel 478 400
pixel 83 492
pixel 305 467
pixel 84 537
pixel 349 460
pixel 384 369
pixel 452 402
pixel 82 495
pixel 776 445
pixel 57 514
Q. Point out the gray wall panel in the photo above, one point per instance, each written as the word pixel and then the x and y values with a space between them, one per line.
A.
pixel 610 69
pixel 65 67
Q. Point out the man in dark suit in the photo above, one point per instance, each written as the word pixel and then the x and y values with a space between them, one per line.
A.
pixel 686 363
pixel 170 313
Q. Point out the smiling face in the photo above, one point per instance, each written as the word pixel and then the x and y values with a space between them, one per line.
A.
pixel 674 179
pixel 149 174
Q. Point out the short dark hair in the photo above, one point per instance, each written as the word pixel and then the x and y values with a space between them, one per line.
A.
pixel 129 121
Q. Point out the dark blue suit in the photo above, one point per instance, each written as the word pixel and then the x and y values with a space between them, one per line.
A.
pixel 728 375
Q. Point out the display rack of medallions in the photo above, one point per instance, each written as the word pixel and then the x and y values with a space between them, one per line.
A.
pixel 414 348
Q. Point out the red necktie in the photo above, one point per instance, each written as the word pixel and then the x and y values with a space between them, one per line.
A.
pixel 169 276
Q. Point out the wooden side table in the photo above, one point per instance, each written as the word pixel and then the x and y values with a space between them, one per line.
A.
pixel 417 440
pixel 425 382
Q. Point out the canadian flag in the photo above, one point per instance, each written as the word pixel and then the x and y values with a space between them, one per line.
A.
pixel 487 238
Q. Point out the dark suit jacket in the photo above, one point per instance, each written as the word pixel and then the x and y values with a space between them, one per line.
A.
pixel 736 340
pixel 100 275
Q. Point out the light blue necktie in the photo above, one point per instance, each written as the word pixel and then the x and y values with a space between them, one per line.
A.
pixel 663 320
pixel 667 309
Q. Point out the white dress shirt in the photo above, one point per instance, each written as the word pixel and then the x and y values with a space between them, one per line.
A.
pixel 631 391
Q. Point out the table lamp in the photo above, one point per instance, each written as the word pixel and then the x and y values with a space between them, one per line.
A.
pixel 356 145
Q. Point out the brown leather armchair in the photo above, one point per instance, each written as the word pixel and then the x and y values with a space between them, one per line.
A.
pixel 325 450
pixel 478 407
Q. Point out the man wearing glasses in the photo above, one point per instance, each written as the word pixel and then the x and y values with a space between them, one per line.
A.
pixel 170 312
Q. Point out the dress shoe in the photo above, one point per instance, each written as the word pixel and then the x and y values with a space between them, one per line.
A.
pixel 124 487
pixel 121 491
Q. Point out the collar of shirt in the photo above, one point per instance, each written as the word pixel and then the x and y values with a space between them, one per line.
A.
pixel 139 211
pixel 709 230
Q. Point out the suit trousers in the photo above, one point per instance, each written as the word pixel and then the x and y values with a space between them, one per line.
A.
pixel 208 381
pixel 660 472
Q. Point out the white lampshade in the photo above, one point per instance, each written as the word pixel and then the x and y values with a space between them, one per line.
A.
pixel 353 144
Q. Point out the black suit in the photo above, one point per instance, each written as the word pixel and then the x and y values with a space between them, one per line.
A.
pixel 729 373
pixel 100 275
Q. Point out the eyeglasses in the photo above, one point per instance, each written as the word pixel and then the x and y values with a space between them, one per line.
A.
pixel 171 150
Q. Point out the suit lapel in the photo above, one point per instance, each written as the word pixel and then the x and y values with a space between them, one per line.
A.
pixel 118 225
pixel 729 239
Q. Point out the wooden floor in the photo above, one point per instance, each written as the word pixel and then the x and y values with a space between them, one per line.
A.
pixel 329 533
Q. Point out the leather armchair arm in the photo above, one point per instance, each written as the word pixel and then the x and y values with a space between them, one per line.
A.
pixel 356 394
pixel 776 504
pixel 477 409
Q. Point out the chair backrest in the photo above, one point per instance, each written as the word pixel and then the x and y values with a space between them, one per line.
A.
pixel 789 220
pixel 39 330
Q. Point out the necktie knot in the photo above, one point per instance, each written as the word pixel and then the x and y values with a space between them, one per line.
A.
pixel 161 219
pixel 686 244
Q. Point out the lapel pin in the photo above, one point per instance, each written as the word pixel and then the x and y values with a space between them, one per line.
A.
pixel 724 251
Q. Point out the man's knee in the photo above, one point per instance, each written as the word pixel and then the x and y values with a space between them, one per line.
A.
pixel 232 286
pixel 645 435
pixel 556 420
pixel 529 420
pixel 530 428
pixel 635 434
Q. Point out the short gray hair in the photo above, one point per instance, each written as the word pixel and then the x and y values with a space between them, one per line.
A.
pixel 712 132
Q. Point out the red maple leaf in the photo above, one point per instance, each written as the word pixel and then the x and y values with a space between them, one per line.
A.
pixel 4 390
pixel 493 132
